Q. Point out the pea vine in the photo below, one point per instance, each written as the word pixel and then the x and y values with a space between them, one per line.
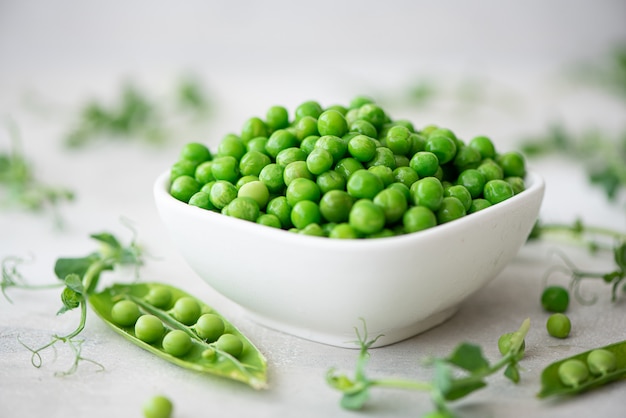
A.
pixel 595 240
pixel 464 371
pixel 78 277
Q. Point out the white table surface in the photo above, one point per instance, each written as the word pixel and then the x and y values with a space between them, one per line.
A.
pixel 55 56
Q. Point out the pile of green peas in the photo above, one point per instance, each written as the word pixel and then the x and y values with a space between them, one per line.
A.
pixel 191 325
pixel 345 172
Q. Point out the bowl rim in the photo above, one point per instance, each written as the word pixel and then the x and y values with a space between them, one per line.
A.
pixel 535 184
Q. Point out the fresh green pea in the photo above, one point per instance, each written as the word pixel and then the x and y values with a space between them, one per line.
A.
pixel 343 231
pixel 559 325
pixel 183 187
pixel 202 200
pixel 555 299
pixel 289 155
pixel 484 145
pixel 319 161
pixel 394 204
pixel 225 168
pixel 183 168
pixel 230 344
pixel 443 147
pixel 308 144
pixel 245 180
pixel 296 169
pixel 467 157
pixel 362 126
pixel 159 297
pixel 186 310
pixel 252 163
pixel 158 407
pixel 573 372
pixel 306 126
pixel 268 219
pixel 279 207
pixel 334 145
pixel 313 229
pixel 209 327
pixel 384 156
pixel 473 180
pixel 195 152
pixel 424 163
pixel 331 122
pixel 302 189
pixel 358 101
pixel 405 175
pixel 364 184
pixel 496 191
pixel 257 144
pixel 505 342
pixel 385 173
pixel 418 218
pixel 222 193
pixel 257 191
pixel 309 108
pixel 490 170
pixel 125 313
pixel 272 176
pixel 451 208
pixel 277 117
pixel 513 164
pixel 149 328
pixel 347 166
pixel 280 140
pixel 601 362
pixel 305 212
pixel 398 140
pixel 366 217
pixel 335 205
pixel 362 148
pixel 243 207
pixel 460 192
pixel 232 145
pixel 427 192
pixel 401 160
pixel 204 172
pixel 402 188
pixel 372 113
pixel 478 204
pixel 517 183
pixel 330 180
pixel 252 128
pixel 176 343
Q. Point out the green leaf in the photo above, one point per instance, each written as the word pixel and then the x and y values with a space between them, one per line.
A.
pixel 443 377
pixel 512 373
pixel 463 387
pixel 108 239
pixel 355 401
pixel 74 282
pixel 66 266
pixel 469 357
pixel 620 256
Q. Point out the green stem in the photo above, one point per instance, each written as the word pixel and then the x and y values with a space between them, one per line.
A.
pixel 403 384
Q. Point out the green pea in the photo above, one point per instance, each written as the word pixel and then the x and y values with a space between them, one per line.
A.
pixel 257 144
pixel 222 193
pixel 149 328
pixel 405 175
pixel 195 152
pixel 268 219
pixel 245 180
pixel 257 191
pixel 517 183
pixel 504 343
pixel 231 145
pixel 230 344
pixel 513 164
pixel 334 145
pixel 424 163
pixel 335 205
pixel 402 188
pixel 302 189
pixel 289 155
pixel 343 231
pixel 313 229
pixel 398 140
pixel 601 362
pixel 252 163
pixel 159 297
pixel 491 171
pixel 125 313
pixel 555 299
pixel 201 200
pixel 209 327
pixel 330 180
pixel 359 101
pixel 280 140
pixel 461 193
pixel 484 145
pixel 177 343
pixel 305 212
pixel 183 168
pixel 366 217
pixel 225 168
pixel 331 122
pixel 451 208
pixel 573 372
pixel 385 173
pixel 559 325
pixel 467 157
pixel 442 146
pixel 418 218
pixel 363 127
pixel 186 310
pixel 279 207
pixel 204 172
pixel 496 191
pixel 158 407
pixel 306 126
pixel 364 184
pixel 427 192
pixel 372 113
pixel 277 117
pixel 253 128
pixel 473 180
pixel 478 204
pixel 308 144
pixel 183 187
pixel 245 208
pixel 347 166
pixel 401 160
pixel 319 161
pixel 296 169
pixel 394 204
pixel 384 156
pixel 362 148
pixel 309 108
pixel 272 176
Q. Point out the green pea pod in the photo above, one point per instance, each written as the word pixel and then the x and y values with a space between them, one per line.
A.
pixel 552 384
pixel 249 367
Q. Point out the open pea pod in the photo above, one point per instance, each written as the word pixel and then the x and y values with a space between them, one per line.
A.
pixel 202 355
pixel 553 385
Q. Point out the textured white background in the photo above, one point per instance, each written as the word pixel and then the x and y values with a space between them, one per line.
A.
pixel 54 55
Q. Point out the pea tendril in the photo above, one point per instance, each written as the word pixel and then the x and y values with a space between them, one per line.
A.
pixel 455 376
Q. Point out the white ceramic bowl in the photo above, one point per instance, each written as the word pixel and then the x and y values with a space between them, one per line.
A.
pixel 319 288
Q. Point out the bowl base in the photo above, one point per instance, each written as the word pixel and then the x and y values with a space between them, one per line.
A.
pixel 349 338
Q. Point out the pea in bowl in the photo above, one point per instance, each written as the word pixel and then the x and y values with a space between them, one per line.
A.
pixel 320 288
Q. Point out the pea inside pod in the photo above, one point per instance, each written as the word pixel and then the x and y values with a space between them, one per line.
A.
pixel 585 371
pixel 181 329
